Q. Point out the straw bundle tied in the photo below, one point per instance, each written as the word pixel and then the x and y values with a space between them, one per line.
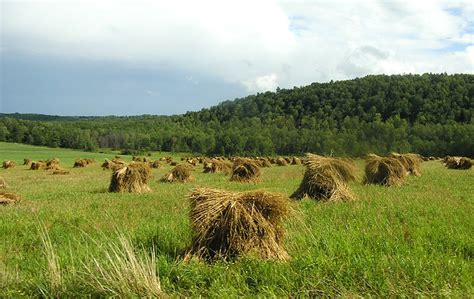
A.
pixel 227 224
pixel 131 178
pixel 326 179
pixel 245 170
pixel 181 174
pixel 384 171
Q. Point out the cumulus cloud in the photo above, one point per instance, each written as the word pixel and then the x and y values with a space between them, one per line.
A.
pixel 262 83
pixel 368 59
pixel 259 44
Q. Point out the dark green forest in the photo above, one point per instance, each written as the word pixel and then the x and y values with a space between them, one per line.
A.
pixel 430 114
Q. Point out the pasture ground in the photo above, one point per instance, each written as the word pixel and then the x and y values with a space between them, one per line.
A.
pixel 414 240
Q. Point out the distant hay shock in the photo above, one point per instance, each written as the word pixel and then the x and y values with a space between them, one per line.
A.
pixel 181 173
pixel 245 170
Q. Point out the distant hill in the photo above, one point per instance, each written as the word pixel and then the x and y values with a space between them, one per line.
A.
pixel 35 117
pixel 438 98
pixel 432 114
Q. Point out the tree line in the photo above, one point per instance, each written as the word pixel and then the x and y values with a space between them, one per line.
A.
pixel 431 114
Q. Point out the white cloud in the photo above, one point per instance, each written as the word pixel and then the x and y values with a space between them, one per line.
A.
pixel 262 83
pixel 259 44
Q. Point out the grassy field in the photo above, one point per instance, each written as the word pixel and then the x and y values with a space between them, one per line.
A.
pixel 414 240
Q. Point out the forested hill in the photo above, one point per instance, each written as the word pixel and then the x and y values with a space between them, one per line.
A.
pixel 432 114
pixel 427 98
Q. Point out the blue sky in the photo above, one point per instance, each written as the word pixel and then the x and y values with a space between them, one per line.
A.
pixel 75 57
pixel 62 86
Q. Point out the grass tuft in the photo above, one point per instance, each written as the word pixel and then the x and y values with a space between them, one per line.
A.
pixel 54 280
pixel 122 272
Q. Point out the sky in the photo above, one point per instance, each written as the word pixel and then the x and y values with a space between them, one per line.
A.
pixel 90 57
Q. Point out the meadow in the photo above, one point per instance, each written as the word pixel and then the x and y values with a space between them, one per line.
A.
pixel 413 240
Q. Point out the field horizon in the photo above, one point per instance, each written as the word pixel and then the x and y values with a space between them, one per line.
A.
pixel 412 240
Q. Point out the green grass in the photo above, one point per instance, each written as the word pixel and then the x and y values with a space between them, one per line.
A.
pixel 415 240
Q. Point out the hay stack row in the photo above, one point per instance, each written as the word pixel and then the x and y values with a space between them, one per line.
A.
pixel 117 162
pixel 242 169
pixel 134 177
pixel 391 170
pixel 457 162
pixel 51 164
pixel 261 161
pixel 326 178
pixel 283 161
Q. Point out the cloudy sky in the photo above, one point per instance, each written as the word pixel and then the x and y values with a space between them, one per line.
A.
pixel 73 57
